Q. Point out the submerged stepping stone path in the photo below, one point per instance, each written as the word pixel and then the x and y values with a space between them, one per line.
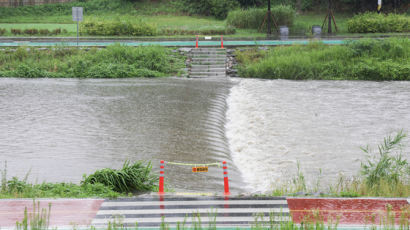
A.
pixel 219 211
pixel 207 63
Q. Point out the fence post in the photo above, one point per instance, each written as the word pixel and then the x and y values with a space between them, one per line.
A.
pixel 197 41
pixel 226 180
pixel 222 41
pixel 161 177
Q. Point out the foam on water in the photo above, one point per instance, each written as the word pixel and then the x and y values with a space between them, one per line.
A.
pixel 273 124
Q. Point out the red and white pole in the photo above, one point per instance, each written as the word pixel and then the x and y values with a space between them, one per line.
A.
pixel 226 180
pixel 161 177
pixel 222 41
pixel 197 41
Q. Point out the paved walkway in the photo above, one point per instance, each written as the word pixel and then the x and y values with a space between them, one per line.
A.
pixel 224 212
pixel 167 43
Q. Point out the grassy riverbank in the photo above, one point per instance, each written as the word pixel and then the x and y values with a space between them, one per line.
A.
pixel 105 183
pixel 113 62
pixel 375 60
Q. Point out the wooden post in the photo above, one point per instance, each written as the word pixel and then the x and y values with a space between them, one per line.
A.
pixel 329 26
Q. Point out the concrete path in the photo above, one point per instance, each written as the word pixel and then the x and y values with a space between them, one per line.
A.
pixel 165 43
pixel 151 211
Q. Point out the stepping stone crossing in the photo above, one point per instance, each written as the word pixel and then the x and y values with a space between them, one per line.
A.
pixel 207 63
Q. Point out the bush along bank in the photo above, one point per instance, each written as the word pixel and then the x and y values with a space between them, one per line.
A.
pixel 133 27
pixel 369 59
pixel 115 61
pixel 132 178
pixel 378 23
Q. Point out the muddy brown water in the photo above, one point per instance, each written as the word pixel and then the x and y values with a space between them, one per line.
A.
pixel 60 129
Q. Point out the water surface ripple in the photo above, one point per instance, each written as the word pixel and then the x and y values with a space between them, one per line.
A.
pixel 63 128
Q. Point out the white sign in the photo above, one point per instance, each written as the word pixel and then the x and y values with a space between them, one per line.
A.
pixel 77 14
pixel 208 38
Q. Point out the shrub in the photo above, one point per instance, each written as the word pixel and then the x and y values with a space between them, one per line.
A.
pixel 387 167
pixel 201 31
pixel 378 23
pixel 44 32
pixel 131 178
pixel 253 18
pixel 56 31
pixel 2 32
pixel 31 31
pixel 217 8
pixel 15 31
pixel 118 27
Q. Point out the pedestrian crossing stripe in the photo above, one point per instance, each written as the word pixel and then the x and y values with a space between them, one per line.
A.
pixel 218 211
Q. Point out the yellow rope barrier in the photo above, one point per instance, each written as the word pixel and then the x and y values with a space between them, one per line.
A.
pixel 189 164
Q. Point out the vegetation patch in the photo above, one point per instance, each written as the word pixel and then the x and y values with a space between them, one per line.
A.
pixel 136 27
pixel 131 178
pixel 115 61
pixel 253 18
pixel 107 183
pixel 368 59
pixel 378 23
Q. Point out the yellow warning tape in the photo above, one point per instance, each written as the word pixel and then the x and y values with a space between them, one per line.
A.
pixel 190 164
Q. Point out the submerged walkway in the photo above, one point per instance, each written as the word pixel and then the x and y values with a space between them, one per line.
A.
pixel 150 211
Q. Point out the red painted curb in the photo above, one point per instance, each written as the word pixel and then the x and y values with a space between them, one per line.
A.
pixel 64 212
pixel 349 211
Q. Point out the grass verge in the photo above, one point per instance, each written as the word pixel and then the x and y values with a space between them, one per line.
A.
pixel 368 59
pixel 115 61
pixel 105 183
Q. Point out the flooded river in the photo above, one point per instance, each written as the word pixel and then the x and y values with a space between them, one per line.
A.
pixel 60 129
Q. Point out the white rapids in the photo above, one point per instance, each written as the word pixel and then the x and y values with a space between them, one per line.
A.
pixel 273 124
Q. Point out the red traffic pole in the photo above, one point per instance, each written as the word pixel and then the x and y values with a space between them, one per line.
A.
pixel 226 180
pixel 197 41
pixel 161 178
pixel 222 41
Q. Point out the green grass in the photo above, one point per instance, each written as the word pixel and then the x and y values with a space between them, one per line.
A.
pixel 106 183
pixel 367 59
pixel 130 178
pixel 115 61
pixel 304 22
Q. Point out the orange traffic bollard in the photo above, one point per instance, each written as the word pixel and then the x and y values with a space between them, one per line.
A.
pixel 226 180
pixel 161 178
